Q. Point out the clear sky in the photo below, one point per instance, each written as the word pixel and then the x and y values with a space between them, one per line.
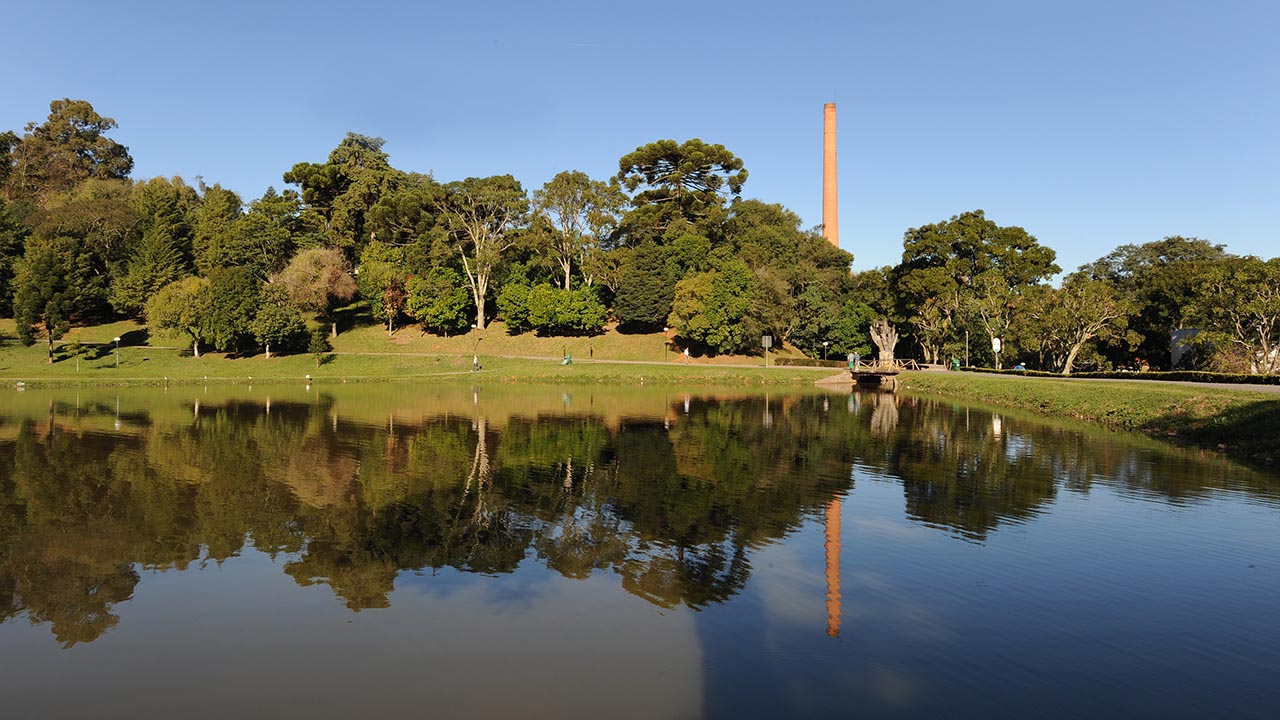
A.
pixel 1090 123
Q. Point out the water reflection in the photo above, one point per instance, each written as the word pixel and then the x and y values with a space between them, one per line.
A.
pixel 671 495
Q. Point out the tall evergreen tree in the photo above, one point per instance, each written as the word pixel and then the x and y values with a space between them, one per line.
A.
pixel 50 279
pixel 156 262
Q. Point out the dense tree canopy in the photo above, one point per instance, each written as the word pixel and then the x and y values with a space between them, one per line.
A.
pixel 1161 279
pixel 1238 306
pixel 67 148
pixel 342 191
pixel 949 268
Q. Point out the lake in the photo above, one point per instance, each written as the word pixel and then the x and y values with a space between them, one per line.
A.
pixel 387 550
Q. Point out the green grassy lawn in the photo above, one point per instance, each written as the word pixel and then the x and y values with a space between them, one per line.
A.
pixel 368 353
pixel 1244 423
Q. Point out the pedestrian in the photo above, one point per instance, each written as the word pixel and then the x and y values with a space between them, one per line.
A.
pixel 475 363
pixel 686 356
pixel 591 351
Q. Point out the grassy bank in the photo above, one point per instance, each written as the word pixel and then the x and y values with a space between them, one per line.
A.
pixel 1242 423
pixel 369 354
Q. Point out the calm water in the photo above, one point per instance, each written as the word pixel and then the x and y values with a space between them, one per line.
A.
pixel 389 551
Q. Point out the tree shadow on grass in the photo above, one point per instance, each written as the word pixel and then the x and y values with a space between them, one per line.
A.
pixel 354 316
pixel 1249 432
pixel 135 337
pixel 637 328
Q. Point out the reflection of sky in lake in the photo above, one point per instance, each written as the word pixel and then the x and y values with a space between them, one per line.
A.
pixel 242 640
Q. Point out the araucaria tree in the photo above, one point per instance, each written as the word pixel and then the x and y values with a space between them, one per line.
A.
pixel 674 182
pixel 482 215
pixel 48 290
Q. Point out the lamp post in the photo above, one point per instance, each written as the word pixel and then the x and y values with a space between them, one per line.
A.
pixel 825 343
pixel 665 342
pixel 117 341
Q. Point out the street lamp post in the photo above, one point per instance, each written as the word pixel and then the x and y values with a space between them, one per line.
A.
pixel 117 341
pixel 665 342
pixel 825 343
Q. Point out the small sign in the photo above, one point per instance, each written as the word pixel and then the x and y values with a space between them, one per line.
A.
pixel 766 341
pixel 995 344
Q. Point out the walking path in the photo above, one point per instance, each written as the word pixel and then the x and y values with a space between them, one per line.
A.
pixel 1241 387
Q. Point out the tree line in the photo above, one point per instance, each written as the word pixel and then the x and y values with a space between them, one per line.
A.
pixel 667 242
pixel 968 288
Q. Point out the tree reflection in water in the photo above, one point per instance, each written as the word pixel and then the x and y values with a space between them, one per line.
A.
pixel 672 502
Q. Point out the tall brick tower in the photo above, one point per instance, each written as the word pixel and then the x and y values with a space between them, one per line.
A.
pixel 830 201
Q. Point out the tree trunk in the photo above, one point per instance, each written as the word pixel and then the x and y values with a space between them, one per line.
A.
pixel 565 265
pixel 885 336
pixel 49 336
pixel 1071 357
pixel 333 331
pixel 478 290
pixel 195 347
pixel 267 347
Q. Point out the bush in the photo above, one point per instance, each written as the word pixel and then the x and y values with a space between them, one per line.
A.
pixel 320 346
pixel 513 308
pixel 808 362
pixel 552 311
pixel 439 301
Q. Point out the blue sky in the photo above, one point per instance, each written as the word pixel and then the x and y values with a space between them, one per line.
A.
pixel 1091 124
